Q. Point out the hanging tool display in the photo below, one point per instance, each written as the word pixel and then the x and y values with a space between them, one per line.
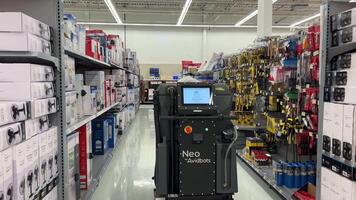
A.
pixel 275 83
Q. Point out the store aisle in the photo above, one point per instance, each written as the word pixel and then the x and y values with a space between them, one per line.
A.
pixel 129 175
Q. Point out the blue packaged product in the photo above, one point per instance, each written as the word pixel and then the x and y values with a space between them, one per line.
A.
pixel 100 136
pixel 297 180
pixel 289 175
pixel 279 174
pixel 311 172
pixel 303 174
pixel 112 130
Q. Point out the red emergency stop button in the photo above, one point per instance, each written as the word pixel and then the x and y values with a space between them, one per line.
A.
pixel 188 130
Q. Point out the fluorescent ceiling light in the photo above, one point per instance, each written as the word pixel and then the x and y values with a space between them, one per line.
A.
pixel 113 11
pixel 248 17
pixel 251 15
pixel 174 25
pixel 305 20
pixel 184 12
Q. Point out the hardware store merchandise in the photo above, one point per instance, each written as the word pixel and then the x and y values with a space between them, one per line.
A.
pixel 177 99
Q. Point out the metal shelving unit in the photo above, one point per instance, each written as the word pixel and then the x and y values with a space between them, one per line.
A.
pixel 87 60
pixel 84 60
pixel 28 57
pixel 266 174
pixel 52 14
pixel 87 119
pixel 100 163
pixel 327 52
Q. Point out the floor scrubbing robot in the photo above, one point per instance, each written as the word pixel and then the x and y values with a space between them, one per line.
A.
pixel 195 150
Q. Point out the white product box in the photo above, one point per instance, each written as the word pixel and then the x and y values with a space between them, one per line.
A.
pixel 80 110
pixel 95 78
pixel 55 193
pixel 325 186
pixel 89 101
pixel 36 126
pixel 119 77
pixel 69 24
pixel 19 167
pixel 24 42
pixel 20 22
pixel 337 127
pixel 348 189
pixel 79 80
pixel 72 143
pixel 122 120
pixel 11 135
pixel 131 96
pixel 328 111
pixel 50 153
pixel 43 107
pixel 79 83
pixel 69 70
pixel 2 193
pixel 335 185
pixel 43 158
pixel 348 136
pixel 122 95
pixel 71 107
pixel 25 73
pixel 107 92
pixel 36 163
pixel 75 42
pixel 68 43
pixel 30 163
pixel 7 163
pixel 21 91
pixel 82 39
pixel 111 78
pixel 13 112
pixel 55 150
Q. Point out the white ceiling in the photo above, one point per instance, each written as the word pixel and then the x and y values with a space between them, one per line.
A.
pixel 208 12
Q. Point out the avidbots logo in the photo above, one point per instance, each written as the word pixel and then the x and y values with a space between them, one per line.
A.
pixel 194 157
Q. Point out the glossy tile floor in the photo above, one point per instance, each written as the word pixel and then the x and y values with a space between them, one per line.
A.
pixel 129 175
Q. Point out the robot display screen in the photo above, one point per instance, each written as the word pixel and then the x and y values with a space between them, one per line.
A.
pixel 196 96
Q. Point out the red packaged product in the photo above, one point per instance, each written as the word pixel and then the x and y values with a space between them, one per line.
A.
pixel 315 69
pixel 311 100
pixel 92 48
pixel 108 89
pixel 85 156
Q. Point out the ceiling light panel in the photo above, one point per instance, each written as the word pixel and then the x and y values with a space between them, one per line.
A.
pixel 184 12
pixel 251 15
pixel 113 11
pixel 305 20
